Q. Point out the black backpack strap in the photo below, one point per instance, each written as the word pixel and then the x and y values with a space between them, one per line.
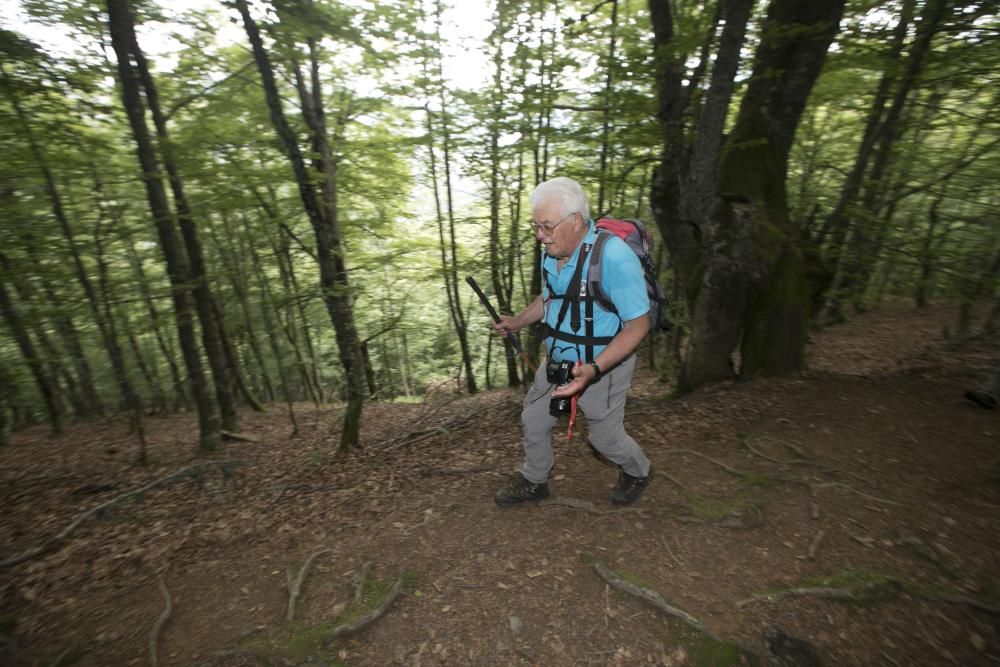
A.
pixel 571 296
pixel 555 334
pixel 589 330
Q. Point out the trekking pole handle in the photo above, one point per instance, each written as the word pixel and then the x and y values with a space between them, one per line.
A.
pixel 492 311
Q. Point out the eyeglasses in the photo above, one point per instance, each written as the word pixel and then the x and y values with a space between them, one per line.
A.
pixel 548 229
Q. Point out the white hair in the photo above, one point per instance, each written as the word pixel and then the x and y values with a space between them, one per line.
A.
pixel 570 194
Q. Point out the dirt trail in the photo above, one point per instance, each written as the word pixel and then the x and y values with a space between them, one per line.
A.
pixel 871 464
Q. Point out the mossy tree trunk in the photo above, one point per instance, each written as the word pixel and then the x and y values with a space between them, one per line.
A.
pixel 756 269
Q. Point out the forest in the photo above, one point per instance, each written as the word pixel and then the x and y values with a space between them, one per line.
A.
pixel 266 215
pixel 231 381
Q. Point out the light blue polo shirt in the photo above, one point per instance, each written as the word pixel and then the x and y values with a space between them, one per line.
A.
pixel 621 280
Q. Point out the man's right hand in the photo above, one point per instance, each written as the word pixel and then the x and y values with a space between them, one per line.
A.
pixel 506 326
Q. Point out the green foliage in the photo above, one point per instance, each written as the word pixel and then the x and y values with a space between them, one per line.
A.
pixel 553 98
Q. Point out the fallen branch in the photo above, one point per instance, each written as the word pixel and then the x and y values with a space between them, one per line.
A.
pixel 56 540
pixel 154 634
pixel 295 583
pixel 372 616
pixel 652 597
pixel 417 436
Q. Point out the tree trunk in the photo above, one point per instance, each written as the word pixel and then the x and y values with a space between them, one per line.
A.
pixel 211 325
pixel 447 241
pixel 884 134
pixel 46 385
pixel 238 280
pixel 500 289
pixel 181 398
pixel 122 36
pixel 323 217
pixel 699 192
pixel 754 292
pixel 836 224
pixel 268 306
pixel 609 81
pixel 683 237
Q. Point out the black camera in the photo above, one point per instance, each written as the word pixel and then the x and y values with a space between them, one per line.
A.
pixel 559 373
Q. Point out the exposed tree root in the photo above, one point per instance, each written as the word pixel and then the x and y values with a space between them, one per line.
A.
pixel 845 594
pixel 624 585
pixel 370 617
pixel 456 471
pixel 954 598
pixel 732 471
pixel 154 633
pixel 295 583
pixel 815 544
pixel 237 437
pixel 359 580
pixel 842 485
pixel 573 503
pixel 671 552
pixel 917 547
pixel 864 588
pixel 59 538
pixel 764 456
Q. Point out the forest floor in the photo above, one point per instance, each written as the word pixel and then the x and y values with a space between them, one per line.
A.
pixel 868 478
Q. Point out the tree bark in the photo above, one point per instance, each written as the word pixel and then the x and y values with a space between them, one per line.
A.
pixel 122 36
pixel 323 217
pixel 212 335
pixel 46 384
pixel 885 130
pixel 683 237
pixel 497 268
pixel 754 292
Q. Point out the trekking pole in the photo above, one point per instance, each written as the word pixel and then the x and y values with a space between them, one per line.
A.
pixel 493 312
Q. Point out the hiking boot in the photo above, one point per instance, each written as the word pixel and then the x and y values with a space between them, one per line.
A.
pixel 629 488
pixel 982 398
pixel 520 490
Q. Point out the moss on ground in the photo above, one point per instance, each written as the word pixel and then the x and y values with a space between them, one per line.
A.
pixel 716 510
pixel 705 651
pixel 867 588
pixel 300 642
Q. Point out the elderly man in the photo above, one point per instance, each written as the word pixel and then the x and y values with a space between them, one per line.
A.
pixel 593 345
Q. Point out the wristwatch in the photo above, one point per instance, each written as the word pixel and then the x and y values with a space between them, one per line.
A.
pixel 598 373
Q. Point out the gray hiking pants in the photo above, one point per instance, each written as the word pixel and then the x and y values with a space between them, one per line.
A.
pixel 603 404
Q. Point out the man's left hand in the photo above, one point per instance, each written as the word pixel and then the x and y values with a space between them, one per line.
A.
pixel 582 376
